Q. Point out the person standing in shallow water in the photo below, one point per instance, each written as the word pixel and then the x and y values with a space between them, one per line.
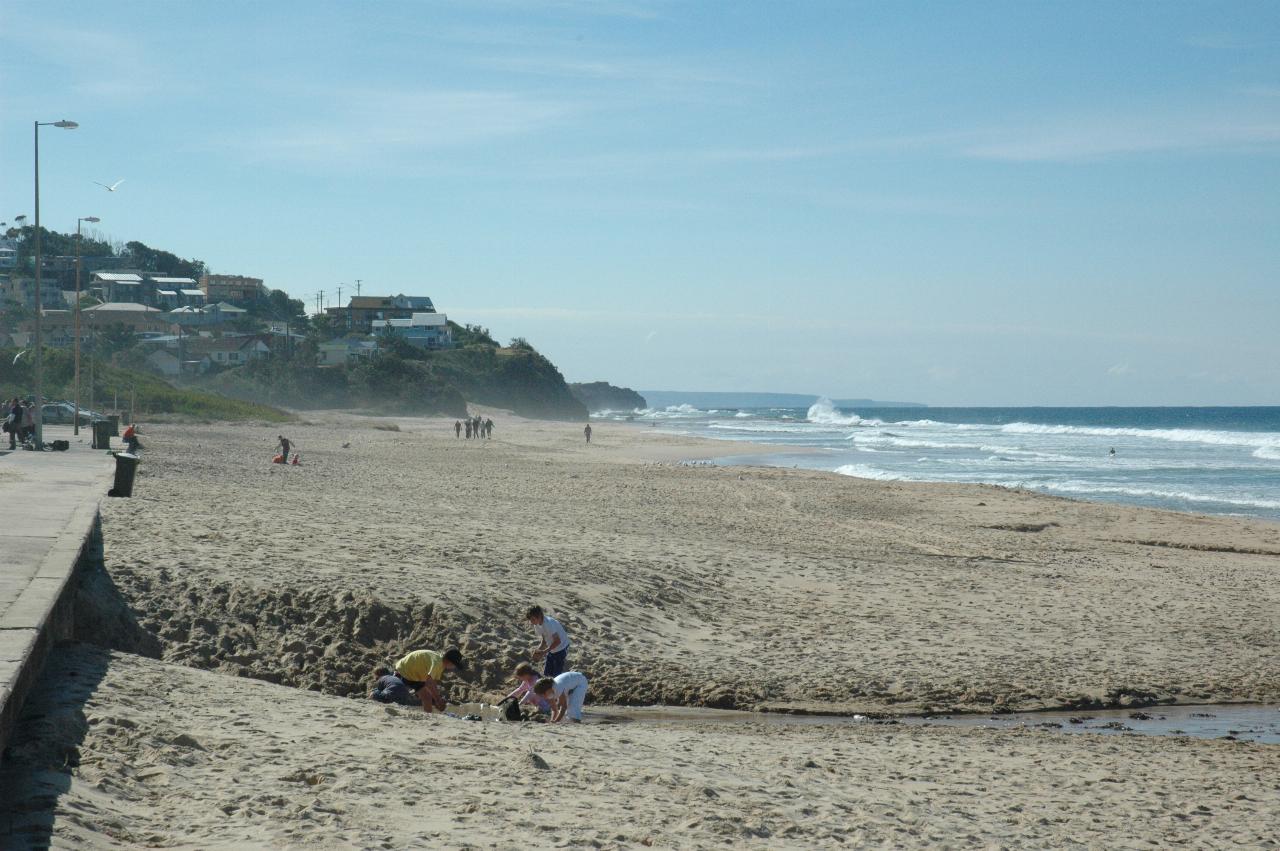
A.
pixel 587 432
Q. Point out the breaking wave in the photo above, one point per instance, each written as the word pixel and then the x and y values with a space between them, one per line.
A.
pixel 1265 444
pixel 823 412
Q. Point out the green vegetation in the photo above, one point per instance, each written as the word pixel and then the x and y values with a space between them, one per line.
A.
pixel 151 394
pixel 407 380
pixel 397 378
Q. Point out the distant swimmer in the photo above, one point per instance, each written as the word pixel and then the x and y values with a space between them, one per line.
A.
pixel 1113 452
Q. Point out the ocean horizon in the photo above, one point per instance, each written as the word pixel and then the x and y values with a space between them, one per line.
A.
pixel 1210 460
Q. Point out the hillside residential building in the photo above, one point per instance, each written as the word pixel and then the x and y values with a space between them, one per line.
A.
pixel 21 290
pixel 138 317
pixel 213 314
pixel 176 292
pixel 164 362
pixel 236 289
pixel 425 330
pixel 359 314
pixel 124 287
pixel 344 350
pixel 229 351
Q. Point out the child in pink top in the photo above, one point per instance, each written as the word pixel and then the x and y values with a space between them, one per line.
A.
pixel 524 692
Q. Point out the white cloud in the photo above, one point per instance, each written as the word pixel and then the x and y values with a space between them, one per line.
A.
pixel 1120 369
pixel 368 125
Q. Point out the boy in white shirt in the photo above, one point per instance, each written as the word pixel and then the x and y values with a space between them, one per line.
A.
pixel 566 694
pixel 554 643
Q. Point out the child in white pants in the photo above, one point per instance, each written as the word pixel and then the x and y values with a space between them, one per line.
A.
pixel 566 694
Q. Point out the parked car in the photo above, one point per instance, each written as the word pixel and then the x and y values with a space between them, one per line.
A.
pixel 64 412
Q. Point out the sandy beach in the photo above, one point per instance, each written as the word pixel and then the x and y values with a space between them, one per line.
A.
pixel 681 583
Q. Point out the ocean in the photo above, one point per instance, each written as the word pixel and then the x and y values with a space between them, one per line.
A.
pixel 1206 460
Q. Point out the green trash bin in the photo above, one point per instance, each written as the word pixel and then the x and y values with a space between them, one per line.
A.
pixel 102 435
pixel 126 469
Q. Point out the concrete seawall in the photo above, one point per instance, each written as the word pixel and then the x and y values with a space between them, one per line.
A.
pixel 49 533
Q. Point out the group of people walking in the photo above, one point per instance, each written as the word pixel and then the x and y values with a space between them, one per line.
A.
pixel 477 427
pixel 415 679
pixel 19 420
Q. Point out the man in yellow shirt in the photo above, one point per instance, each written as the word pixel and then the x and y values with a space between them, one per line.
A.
pixel 416 679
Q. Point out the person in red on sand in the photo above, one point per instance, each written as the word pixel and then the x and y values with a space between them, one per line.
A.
pixel 130 438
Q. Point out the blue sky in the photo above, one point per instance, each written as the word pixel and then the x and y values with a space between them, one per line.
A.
pixel 980 203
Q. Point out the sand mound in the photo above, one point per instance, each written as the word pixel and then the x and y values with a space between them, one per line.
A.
pixel 332 642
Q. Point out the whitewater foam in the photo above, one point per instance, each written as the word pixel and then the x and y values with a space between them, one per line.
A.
pixel 823 412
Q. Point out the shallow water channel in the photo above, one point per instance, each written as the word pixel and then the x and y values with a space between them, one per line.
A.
pixel 1233 721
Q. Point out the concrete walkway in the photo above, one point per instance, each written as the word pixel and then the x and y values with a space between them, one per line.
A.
pixel 47 516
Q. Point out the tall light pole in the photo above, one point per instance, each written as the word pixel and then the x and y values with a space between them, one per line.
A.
pixel 76 416
pixel 39 370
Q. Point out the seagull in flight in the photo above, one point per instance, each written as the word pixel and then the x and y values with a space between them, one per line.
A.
pixel 112 187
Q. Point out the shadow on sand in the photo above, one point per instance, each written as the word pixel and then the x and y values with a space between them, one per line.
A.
pixel 44 750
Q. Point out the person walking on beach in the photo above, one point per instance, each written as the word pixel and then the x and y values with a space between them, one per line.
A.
pixel 587 432
pixel 457 428
pixel 488 429
pixel 553 644
pixel 12 420
pixel 468 426
pixel 416 679
pixel 283 446
pixel 566 694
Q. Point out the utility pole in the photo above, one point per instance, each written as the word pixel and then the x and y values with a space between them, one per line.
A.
pixel 357 286
pixel 339 295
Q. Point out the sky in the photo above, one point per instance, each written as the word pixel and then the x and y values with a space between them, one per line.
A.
pixel 996 203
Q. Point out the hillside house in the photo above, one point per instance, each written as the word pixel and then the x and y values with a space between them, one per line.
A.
pixel 228 351
pixel 424 330
pixel 236 289
pixel 361 311
pixel 344 350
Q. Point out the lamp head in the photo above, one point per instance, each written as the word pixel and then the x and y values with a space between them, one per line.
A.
pixel 65 124
pixel 93 219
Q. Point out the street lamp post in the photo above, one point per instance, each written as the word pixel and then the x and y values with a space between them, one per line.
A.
pixel 39 367
pixel 76 415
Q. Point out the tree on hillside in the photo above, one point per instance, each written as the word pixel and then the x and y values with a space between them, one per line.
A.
pixel 53 244
pixel 113 339
pixel 160 262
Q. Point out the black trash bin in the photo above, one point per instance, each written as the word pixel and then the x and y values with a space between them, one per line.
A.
pixel 126 469
pixel 114 420
pixel 102 435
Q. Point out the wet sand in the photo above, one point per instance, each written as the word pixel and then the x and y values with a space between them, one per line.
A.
pixel 690 585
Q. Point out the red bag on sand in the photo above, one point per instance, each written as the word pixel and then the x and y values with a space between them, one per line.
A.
pixel 296 462
pixel 279 459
